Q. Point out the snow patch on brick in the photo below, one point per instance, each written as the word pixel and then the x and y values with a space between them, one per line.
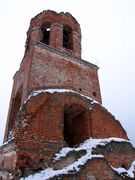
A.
pixel 128 173
pixel 88 145
pixel 10 138
pixel 51 91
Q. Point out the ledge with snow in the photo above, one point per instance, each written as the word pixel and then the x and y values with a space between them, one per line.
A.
pixel 41 147
pixel 74 161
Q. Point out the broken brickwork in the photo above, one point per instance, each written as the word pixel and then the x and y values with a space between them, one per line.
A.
pixel 56 103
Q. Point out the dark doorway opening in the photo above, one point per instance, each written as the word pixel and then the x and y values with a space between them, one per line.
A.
pixel 76 125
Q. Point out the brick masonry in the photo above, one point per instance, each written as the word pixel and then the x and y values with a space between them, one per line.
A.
pixel 39 126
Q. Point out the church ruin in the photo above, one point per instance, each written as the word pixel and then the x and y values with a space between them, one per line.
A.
pixel 56 103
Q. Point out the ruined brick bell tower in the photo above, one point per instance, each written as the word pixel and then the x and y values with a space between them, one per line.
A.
pixel 56 100
pixel 53 61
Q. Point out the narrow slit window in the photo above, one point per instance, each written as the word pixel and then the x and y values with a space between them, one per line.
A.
pixel 67 38
pixel 46 34
pixel 94 94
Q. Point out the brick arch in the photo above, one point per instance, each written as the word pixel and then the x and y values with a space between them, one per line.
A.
pixel 14 109
pixel 42 123
pixel 64 100
pixel 71 117
pixel 46 113
pixel 54 17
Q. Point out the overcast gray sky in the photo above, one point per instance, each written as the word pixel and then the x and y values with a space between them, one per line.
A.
pixel 108 40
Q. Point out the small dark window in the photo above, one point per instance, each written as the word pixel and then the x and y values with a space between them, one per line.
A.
pixel 67 38
pixel 46 34
pixel 94 94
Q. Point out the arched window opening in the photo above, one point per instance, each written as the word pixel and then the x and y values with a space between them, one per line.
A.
pixel 67 38
pixel 16 103
pixel 46 34
pixel 76 121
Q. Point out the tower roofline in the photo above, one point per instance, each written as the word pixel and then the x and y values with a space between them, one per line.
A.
pixel 47 12
pixel 52 16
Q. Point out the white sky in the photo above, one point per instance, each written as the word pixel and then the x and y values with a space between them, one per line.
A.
pixel 108 39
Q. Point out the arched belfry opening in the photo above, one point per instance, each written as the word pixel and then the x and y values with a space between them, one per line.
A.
pixel 67 37
pixel 46 33
pixel 76 125
pixel 58 30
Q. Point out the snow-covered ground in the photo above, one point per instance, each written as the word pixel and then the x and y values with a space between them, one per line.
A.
pixel 88 145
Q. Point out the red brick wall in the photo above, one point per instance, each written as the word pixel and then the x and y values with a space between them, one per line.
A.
pixel 8 159
pixel 105 125
pixel 53 70
pixel 14 105
pixel 53 66
pixel 39 126
pixel 115 154
pixel 99 169
pixel 44 119
pixel 40 129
